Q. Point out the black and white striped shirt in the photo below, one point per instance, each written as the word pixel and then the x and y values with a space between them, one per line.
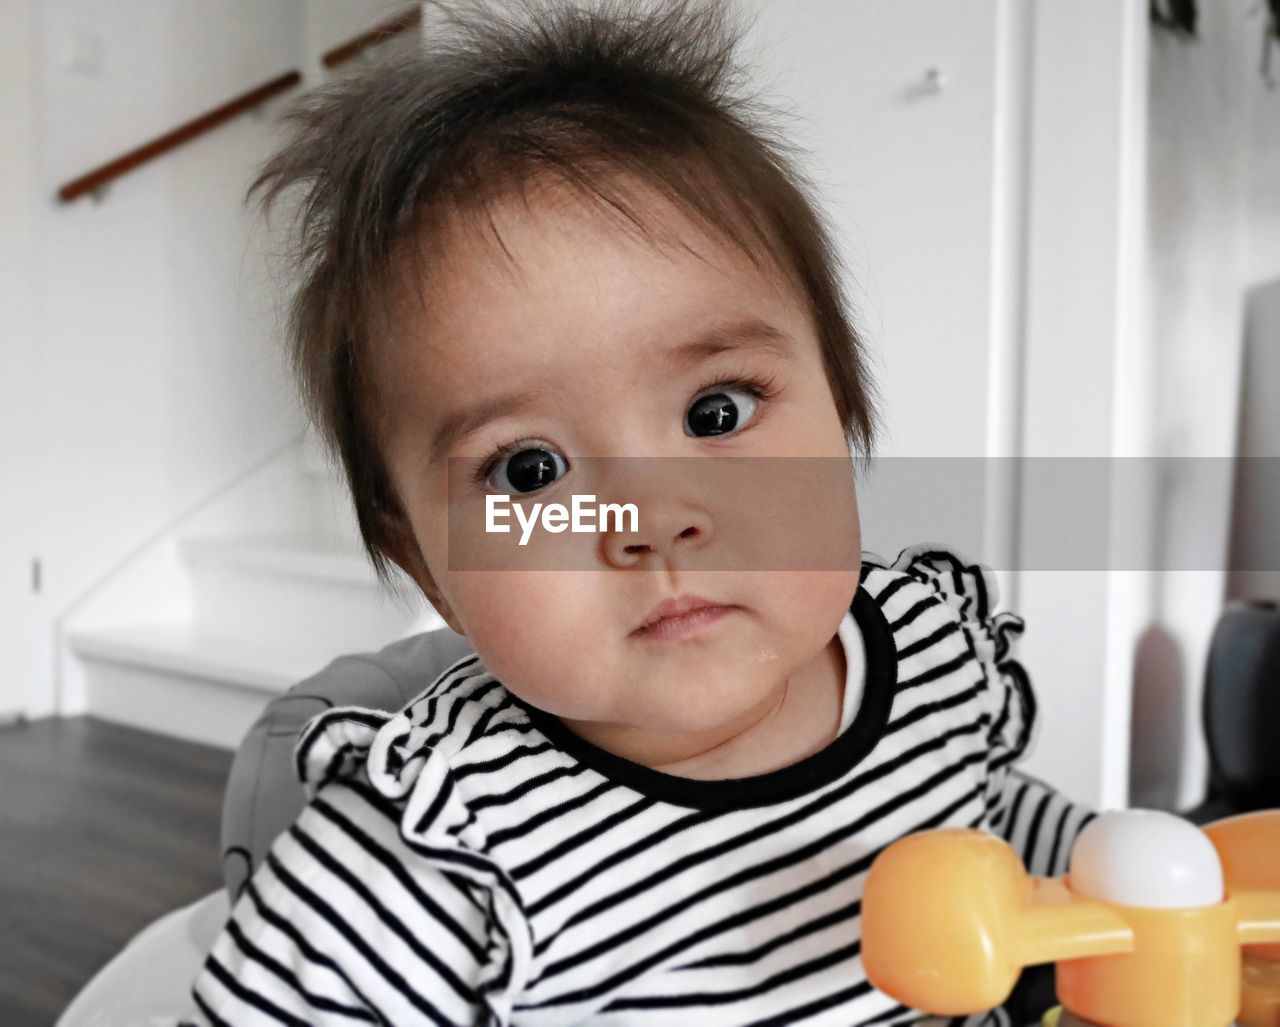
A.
pixel 470 860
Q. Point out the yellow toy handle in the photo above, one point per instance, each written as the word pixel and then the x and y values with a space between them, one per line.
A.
pixel 951 917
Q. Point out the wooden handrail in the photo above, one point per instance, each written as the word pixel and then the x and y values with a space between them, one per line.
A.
pixel 378 34
pixel 99 177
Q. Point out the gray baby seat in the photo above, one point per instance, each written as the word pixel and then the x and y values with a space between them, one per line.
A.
pixel 263 794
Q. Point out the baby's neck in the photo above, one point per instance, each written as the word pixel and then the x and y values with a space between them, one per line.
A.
pixel 804 717
pixel 796 719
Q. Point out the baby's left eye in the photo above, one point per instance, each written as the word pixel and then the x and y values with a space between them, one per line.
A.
pixel 718 413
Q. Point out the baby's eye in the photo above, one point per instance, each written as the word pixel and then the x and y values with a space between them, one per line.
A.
pixel 719 413
pixel 525 470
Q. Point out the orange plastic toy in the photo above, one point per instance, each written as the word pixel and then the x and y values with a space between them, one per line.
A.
pixel 1156 924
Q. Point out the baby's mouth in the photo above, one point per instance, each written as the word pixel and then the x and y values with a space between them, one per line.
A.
pixel 682 618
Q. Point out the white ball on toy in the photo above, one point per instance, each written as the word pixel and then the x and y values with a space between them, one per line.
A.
pixel 1146 858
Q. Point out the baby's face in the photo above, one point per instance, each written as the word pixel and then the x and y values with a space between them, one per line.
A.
pixel 588 332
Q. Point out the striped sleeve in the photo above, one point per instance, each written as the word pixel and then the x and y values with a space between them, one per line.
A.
pixel 1039 822
pixel 973 593
pixel 341 925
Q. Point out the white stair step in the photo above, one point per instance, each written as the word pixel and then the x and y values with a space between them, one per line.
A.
pixel 288 592
pixel 297 557
pixel 181 648
pixel 176 680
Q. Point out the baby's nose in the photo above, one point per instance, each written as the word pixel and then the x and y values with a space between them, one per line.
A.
pixel 664 531
pixel 672 498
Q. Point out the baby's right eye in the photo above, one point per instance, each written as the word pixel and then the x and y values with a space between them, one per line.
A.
pixel 523 470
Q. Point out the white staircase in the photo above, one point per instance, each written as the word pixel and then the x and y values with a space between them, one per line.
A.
pixel 260 612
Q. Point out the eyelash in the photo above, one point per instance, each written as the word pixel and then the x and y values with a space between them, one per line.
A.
pixel 762 387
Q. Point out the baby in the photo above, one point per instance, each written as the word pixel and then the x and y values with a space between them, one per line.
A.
pixel 551 243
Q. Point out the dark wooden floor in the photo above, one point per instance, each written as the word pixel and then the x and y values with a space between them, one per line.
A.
pixel 102 829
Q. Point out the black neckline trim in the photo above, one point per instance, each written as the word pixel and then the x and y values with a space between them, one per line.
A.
pixel 821 768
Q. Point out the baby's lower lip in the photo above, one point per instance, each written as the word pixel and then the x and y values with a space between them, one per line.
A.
pixel 686 624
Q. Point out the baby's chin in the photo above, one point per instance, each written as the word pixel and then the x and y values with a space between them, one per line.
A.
pixel 667 704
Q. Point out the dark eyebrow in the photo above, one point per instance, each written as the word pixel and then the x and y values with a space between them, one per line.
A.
pixel 746 333
pixel 750 332
pixel 462 423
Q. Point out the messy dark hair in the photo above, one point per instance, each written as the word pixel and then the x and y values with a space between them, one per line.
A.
pixel 518 89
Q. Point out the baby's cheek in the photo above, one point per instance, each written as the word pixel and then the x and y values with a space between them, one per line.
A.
pixel 813 600
pixel 533 629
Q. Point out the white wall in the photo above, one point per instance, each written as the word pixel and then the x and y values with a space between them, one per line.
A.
pixel 143 370
pixel 1081 390
pixel 906 173
pixel 150 316
pixel 162 377
pixel 1214 233
pixel 1255 545
pixel 20 648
